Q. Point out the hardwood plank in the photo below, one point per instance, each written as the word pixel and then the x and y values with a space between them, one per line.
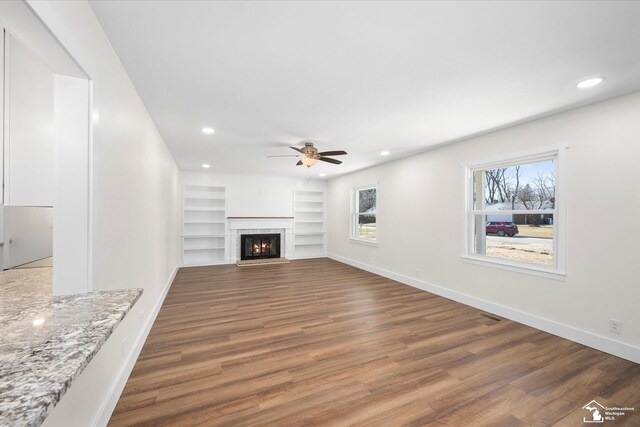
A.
pixel 317 342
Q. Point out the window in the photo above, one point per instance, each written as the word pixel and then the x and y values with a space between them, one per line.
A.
pixel 512 215
pixel 363 214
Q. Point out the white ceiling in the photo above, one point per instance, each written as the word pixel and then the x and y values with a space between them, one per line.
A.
pixel 361 76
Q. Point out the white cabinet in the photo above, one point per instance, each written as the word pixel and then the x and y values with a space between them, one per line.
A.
pixel 204 225
pixel 309 227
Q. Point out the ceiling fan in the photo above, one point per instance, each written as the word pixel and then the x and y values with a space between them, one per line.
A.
pixel 311 155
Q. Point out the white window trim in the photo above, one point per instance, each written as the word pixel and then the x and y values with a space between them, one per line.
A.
pixel 559 270
pixel 352 213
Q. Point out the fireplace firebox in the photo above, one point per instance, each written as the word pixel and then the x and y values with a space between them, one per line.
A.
pixel 258 246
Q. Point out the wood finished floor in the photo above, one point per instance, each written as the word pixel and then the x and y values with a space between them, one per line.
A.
pixel 317 342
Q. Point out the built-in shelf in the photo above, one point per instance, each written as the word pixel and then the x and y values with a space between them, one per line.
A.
pixel 205 249
pixel 308 233
pixel 204 222
pixel 204 208
pixel 204 197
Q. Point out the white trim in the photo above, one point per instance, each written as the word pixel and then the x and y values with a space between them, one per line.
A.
pixel 559 269
pixel 207 264
pixel 260 222
pixel 515 212
pixel 323 255
pixel 353 214
pixel 90 190
pixel 365 241
pixel 542 271
pixel 109 404
pixel 3 116
pixel 6 117
pixel 599 342
pixel 559 218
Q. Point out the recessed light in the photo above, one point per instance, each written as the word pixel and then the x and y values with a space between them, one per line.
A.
pixel 384 153
pixel 206 165
pixel 590 82
pixel 208 130
pixel 322 174
pixel 38 322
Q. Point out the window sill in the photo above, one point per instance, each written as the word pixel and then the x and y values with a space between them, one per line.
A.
pixel 531 270
pixel 364 242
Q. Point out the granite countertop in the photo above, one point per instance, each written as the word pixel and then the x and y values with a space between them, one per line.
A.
pixel 47 341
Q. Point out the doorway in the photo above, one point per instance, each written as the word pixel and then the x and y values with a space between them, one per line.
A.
pixel 45 167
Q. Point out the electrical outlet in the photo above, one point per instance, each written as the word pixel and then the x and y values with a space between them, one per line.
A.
pixel 615 326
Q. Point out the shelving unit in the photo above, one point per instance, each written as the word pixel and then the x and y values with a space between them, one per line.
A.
pixel 203 228
pixel 308 231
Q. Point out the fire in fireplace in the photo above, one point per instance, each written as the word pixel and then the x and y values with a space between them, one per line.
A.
pixel 254 246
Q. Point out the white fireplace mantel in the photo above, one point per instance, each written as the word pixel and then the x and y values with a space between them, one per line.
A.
pixel 239 225
pixel 253 222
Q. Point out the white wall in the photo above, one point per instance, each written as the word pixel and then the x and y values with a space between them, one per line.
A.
pixel 420 205
pixel 29 130
pixel 135 200
pixel 28 234
pixel 28 151
pixel 71 197
pixel 255 195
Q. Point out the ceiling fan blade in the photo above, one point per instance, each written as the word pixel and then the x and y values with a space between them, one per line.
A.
pixel 297 149
pixel 328 160
pixel 299 163
pixel 333 153
pixel 286 155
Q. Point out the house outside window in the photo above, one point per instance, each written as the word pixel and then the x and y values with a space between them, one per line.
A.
pixel 364 207
pixel 513 216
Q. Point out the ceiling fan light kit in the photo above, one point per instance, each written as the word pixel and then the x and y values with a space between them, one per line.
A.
pixel 308 161
pixel 311 155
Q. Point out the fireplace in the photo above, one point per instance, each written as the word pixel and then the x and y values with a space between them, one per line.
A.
pixel 240 226
pixel 259 246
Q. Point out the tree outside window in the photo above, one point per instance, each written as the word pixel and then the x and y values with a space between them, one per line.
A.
pixel 513 211
pixel 364 212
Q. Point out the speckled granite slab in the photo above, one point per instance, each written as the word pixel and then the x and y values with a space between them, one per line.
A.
pixel 46 341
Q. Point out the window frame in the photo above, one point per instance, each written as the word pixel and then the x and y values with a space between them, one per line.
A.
pixel 558 269
pixel 353 215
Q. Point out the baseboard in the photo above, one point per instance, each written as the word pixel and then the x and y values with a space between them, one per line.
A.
pixel 102 419
pixel 309 257
pixel 207 264
pixel 608 345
